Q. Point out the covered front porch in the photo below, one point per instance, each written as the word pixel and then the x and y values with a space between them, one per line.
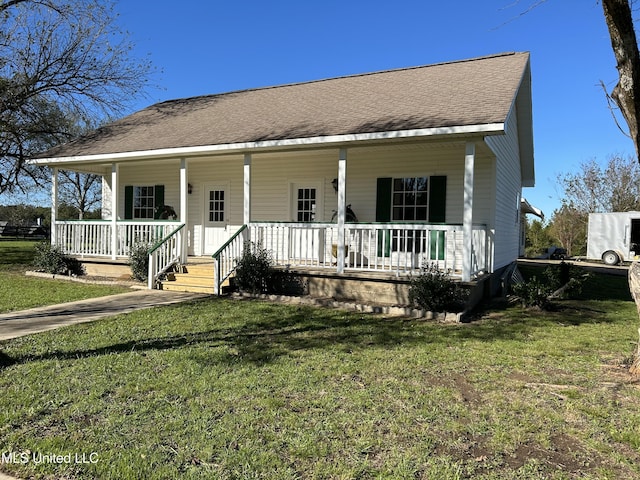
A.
pixel 463 250
pixel 397 248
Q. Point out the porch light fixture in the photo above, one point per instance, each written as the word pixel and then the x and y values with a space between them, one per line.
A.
pixel 334 182
pixel 189 188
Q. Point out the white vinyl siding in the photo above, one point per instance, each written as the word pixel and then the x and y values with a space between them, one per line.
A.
pixel 365 165
pixel 274 175
pixel 508 190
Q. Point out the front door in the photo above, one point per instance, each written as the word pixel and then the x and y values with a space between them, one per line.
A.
pixel 215 221
pixel 306 242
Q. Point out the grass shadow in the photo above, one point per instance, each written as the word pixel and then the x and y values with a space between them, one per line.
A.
pixel 263 332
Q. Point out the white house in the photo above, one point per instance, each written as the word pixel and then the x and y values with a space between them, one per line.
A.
pixel 431 159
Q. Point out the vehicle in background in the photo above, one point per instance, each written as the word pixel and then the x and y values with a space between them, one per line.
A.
pixel 613 237
pixel 554 253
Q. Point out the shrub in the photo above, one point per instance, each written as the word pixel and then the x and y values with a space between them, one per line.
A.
pixel 433 290
pixel 51 259
pixel 537 292
pixel 254 269
pixel 139 261
pixel 534 292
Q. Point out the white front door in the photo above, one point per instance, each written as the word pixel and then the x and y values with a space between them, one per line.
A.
pixel 306 207
pixel 216 217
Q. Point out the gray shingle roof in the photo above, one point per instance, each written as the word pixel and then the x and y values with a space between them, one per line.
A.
pixel 461 93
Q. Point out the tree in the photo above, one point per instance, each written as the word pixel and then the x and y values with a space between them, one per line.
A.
pixel 569 227
pixel 626 95
pixel 82 191
pixel 594 188
pixel 61 61
pixel 538 238
pixel 22 215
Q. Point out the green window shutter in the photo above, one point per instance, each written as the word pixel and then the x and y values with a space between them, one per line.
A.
pixel 158 200
pixel 437 199
pixel 128 202
pixel 383 214
pixel 437 244
pixel 383 200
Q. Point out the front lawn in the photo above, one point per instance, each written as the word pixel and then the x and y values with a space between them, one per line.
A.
pixel 230 389
pixel 19 292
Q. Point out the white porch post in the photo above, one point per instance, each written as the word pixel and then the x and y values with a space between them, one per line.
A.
pixel 246 210
pixel 54 205
pixel 246 215
pixel 114 210
pixel 184 206
pixel 342 183
pixel 467 215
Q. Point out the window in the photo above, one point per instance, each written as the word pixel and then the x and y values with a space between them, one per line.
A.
pixel 216 205
pixel 409 199
pixel 306 208
pixel 143 202
pixel 409 203
pixel 412 200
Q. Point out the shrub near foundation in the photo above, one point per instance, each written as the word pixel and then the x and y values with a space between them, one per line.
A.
pixel 434 291
pixel 139 261
pixel 51 259
pixel 254 269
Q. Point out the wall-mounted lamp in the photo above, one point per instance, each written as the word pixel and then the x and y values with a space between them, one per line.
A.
pixel 334 182
pixel 189 188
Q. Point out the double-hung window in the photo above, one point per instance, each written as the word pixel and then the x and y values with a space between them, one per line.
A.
pixel 409 204
pixel 143 201
pixel 410 199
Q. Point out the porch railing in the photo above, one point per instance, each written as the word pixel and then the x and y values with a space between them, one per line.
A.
pixel 224 260
pixel 95 237
pixel 164 254
pixel 400 248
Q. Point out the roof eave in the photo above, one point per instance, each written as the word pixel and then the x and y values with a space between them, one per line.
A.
pixel 320 141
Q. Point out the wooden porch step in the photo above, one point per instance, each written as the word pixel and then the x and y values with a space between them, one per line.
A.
pixel 173 287
pixel 196 278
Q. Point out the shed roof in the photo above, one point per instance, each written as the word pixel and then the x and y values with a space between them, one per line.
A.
pixel 466 93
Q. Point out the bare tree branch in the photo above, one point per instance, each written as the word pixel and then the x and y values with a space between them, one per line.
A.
pixel 626 93
pixel 62 63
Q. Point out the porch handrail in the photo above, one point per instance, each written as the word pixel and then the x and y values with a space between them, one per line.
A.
pixel 165 253
pixel 96 237
pixel 224 258
pixel 398 247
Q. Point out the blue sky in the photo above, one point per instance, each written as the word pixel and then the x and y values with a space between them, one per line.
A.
pixel 203 47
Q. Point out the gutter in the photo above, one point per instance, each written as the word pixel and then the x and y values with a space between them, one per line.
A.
pixel 244 147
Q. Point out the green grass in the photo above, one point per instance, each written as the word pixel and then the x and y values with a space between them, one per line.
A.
pixel 19 292
pixel 243 389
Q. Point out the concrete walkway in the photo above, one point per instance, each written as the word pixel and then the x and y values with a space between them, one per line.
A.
pixel 26 322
